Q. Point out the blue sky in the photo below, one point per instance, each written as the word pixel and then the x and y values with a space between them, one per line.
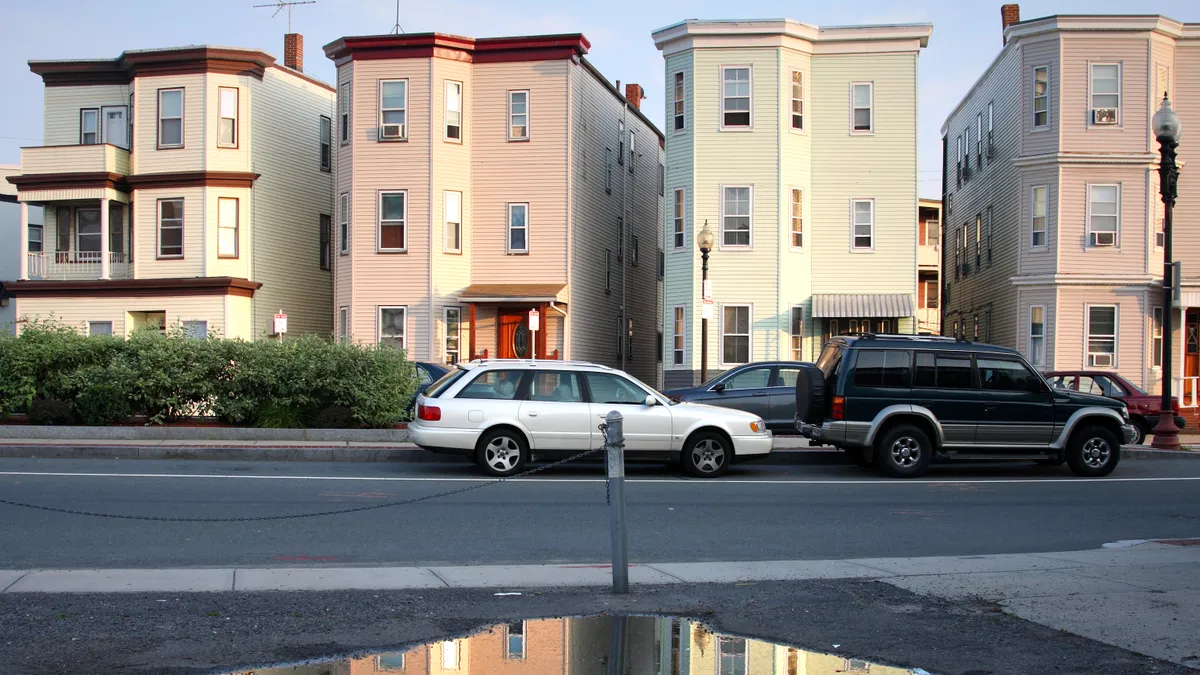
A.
pixel 966 37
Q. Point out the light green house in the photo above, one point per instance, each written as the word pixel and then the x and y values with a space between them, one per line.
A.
pixel 797 145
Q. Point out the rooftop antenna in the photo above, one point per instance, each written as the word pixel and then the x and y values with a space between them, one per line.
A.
pixel 281 5
pixel 397 29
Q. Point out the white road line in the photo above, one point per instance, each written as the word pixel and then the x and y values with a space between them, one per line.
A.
pixel 663 481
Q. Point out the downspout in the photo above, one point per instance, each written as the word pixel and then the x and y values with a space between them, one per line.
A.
pixel 624 314
pixel 779 218
pixel 432 312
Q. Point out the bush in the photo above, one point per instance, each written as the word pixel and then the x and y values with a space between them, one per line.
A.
pixel 50 411
pixel 298 382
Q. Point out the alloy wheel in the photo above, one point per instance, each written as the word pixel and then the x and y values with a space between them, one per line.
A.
pixel 1096 452
pixel 502 454
pixel 708 455
pixel 906 452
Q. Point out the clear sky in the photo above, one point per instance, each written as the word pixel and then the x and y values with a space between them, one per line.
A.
pixel 966 37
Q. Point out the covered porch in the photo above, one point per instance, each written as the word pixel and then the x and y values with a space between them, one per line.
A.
pixel 842 314
pixel 499 321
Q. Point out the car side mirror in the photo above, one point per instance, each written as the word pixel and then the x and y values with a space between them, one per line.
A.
pixel 651 401
pixel 719 388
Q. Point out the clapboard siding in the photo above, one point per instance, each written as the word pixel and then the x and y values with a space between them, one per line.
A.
pixel 1130 134
pixel 451 172
pixel 1040 259
pixel 62 106
pixel 1037 53
pixel 343 173
pixel 77 311
pixel 1129 255
pixel 238 158
pixel 682 272
pixel 796 172
pixel 146 263
pixel 147 158
pixel 1071 327
pixel 1186 97
pixel 1036 296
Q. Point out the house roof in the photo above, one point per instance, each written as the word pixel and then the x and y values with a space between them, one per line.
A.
pixel 915 34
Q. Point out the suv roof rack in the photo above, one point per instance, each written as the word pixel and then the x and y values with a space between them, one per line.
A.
pixel 536 362
pixel 904 336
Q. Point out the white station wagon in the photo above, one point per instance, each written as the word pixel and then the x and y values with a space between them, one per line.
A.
pixel 499 412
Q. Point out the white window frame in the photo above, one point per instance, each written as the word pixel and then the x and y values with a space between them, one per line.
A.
pixel 451 198
pixel 528 127
pixel 343 326
pixel 94 114
pixel 344 131
pixel 979 139
pixel 794 219
pixel 679 336
pixel 447 335
pixel 508 227
pixel 679 102
pixel 1117 231
pixel 379 224
pixel 454 95
pixel 379 309
pixel 403 110
pixel 1157 216
pixel 797 339
pixel 608 270
pixel 325 144
pixel 1092 93
pixel 110 324
pixel 1033 360
pixel 1087 335
pixel 632 149
pixel 750 336
pixel 678 219
pixel 508 653
pixel 222 116
pixel 451 663
pixel 1156 338
pixel 991 128
pixel 745 655
pixel 854 247
pixel 344 223
pixel 158 228
pixel 221 225
pixel 794 100
pixel 750 98
pixel 1046 96
pixel 721 234
pixel 871 107
pixel 161 119
pixel 1033 204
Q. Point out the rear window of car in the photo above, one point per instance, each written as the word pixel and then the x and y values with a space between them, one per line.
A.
pixel 882 368
pixel 829 360
pixel 443 383
pixel 501 385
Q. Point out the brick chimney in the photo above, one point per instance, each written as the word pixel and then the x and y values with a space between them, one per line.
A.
pixel 293 51
pixel 1009 14
pixel 634 94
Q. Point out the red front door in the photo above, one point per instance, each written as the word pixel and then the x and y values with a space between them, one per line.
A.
pixel 513 338
pixel 1191 354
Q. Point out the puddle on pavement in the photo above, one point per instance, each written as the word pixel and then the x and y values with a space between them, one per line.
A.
pixel 593 646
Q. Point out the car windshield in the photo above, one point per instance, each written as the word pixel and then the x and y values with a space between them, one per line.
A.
pixel 444 382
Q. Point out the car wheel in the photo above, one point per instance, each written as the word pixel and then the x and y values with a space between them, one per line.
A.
pixel 1140 431
pixel 904 451
pixel 707 455
pixel 502 452
pixel 1093 452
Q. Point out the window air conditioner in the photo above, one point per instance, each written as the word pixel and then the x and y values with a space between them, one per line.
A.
pixel 1104 239
pixel 391 131
pixel 1104 116
pixel 1102 360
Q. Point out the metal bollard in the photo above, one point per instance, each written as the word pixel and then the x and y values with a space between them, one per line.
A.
pixel 614 444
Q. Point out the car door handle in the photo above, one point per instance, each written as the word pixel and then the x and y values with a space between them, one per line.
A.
pixel 989 406
pixel 762 393
pixel 532 413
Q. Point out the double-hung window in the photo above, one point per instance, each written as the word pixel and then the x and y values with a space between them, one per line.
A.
pixel 518 228
pixel 678 336
pixel 608 270
pixel 990 227
pixel 393 110
pixel 862 107
pixel 326 251
pixel 958 166
pixel 679 117
pixel 170 118
pixel 1156 337
pixel 990 128
pixel 957 253
pixel 344 223
pixel 454 111
pixel 1041 97
pixel 732 656
pixel 1160 234
pixel 797 100
pixel 632 149
pixel 1039 209
pixel 87 231
pixel 678 228
pixel 326 130
pixel 978 240
pixel 634 250
pixel 393 222
pixel 1101 336
pixel 452 317
pixel 979 139
pixel 170 228
pixel 1104 221
pixel 514 634
pixel 797 332
pixel 453 210
pixel 36 235
pixel 735 97
pixel 227 117
pixel 967 152
pixel 797 218
pixel 735 216
pixel 1106 93
pixel 393 327
pixel 227 227
pixel 862 212
pixel 343 329
pixel 518 115
pixel 735 334
pixel 620 238
pixel 89 126
pixel 344 114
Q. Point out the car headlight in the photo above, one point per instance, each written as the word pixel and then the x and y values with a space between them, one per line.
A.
pixel 1125 413
pixel 757 426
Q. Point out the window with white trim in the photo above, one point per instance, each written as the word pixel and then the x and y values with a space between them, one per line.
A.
pixel 797 218
pixel 195 330
pixel 454 110
pixel 170 118
pixel 632 150
pixel 678 231
pixel 862 211
pixel 452 341
pixel 979 139
pixel 518 228
pixel 450 655
pixel 978 240
pixel 518 115
pixel 1039 210
pixel 100 328
pixel 797 100
pixel 634 250
pixel 1156 337
pixel 170 228
pixel 620 238
pixel 36 235
pixel 990 227
pixel 324 231
pixel 1041 97
pixel 967 152
pixel 735 216
pixel 344 114
pixel 393 110
pixel 678 336
pixel 87 230
pixel 89 126
pixel 227 117
pixel 958 171
pixel 1106 93
pixel 735 97
pixel 608 170
pixel 735 334
pixel 344 223
pixel 1104 220
pixel 1160 234
pixel 990 128
pixel 679 103
pixel 514 640
pixel 608 270
pixel 343 324
pixel 227 227
pixel 453 217
pixel 326 131
pixel 1101 336
pixel 862 107
pixel 393 222
pixel 393 327
pixel 797 332
pixel 733 656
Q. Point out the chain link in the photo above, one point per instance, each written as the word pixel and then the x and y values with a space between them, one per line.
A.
pixel 356 509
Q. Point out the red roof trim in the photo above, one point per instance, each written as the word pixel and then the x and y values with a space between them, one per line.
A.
pixel 457 47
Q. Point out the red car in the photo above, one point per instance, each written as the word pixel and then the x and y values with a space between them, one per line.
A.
pixel 1143 407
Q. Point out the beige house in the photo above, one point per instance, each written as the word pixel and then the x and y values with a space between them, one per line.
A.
pixel 1053 214
pixel 481 180
pixel 929 266
pixel 796 145
pixel 189 186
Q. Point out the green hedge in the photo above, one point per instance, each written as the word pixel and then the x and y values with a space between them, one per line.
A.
pixel 58 376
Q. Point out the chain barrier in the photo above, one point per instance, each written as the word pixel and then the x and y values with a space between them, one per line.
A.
pixel 355 509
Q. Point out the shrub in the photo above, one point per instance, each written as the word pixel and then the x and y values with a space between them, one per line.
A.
pixel 50 411
pixel 334 417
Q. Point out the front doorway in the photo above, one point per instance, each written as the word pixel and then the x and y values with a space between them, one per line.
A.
pixel 513 339
pixel 1191 355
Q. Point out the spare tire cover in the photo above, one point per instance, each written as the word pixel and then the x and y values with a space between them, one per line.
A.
pixel 810 394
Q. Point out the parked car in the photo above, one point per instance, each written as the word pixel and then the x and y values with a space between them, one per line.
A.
pixel 1143 408
pixel 767 389
pixel 898 402
pixel 427 374
pixel 500 412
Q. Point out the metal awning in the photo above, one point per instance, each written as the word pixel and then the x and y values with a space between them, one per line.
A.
pixel 514 293
pixel 884 305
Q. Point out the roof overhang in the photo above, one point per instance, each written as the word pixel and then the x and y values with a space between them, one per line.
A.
pixel 457 47
pixel 499 293
pixel 176 61
pixel 137 288
pixel 864 305
pixel 695 33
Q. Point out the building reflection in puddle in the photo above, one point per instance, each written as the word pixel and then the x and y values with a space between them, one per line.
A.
pixel 585 646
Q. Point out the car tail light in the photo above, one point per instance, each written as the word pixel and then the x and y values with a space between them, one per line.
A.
pixel 429 413
pixel 839 407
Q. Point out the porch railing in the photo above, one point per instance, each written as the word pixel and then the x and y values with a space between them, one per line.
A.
pixel 1187 388
pixel 71 265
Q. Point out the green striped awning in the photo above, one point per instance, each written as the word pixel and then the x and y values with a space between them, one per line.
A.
pixel 883 305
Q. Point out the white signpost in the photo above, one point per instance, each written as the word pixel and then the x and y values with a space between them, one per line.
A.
pixel 534 323
pixel 280 324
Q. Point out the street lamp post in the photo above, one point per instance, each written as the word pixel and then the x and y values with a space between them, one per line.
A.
pixel 704 240
pixel 1166 129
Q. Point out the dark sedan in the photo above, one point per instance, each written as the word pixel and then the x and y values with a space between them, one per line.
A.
pixel 767 389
